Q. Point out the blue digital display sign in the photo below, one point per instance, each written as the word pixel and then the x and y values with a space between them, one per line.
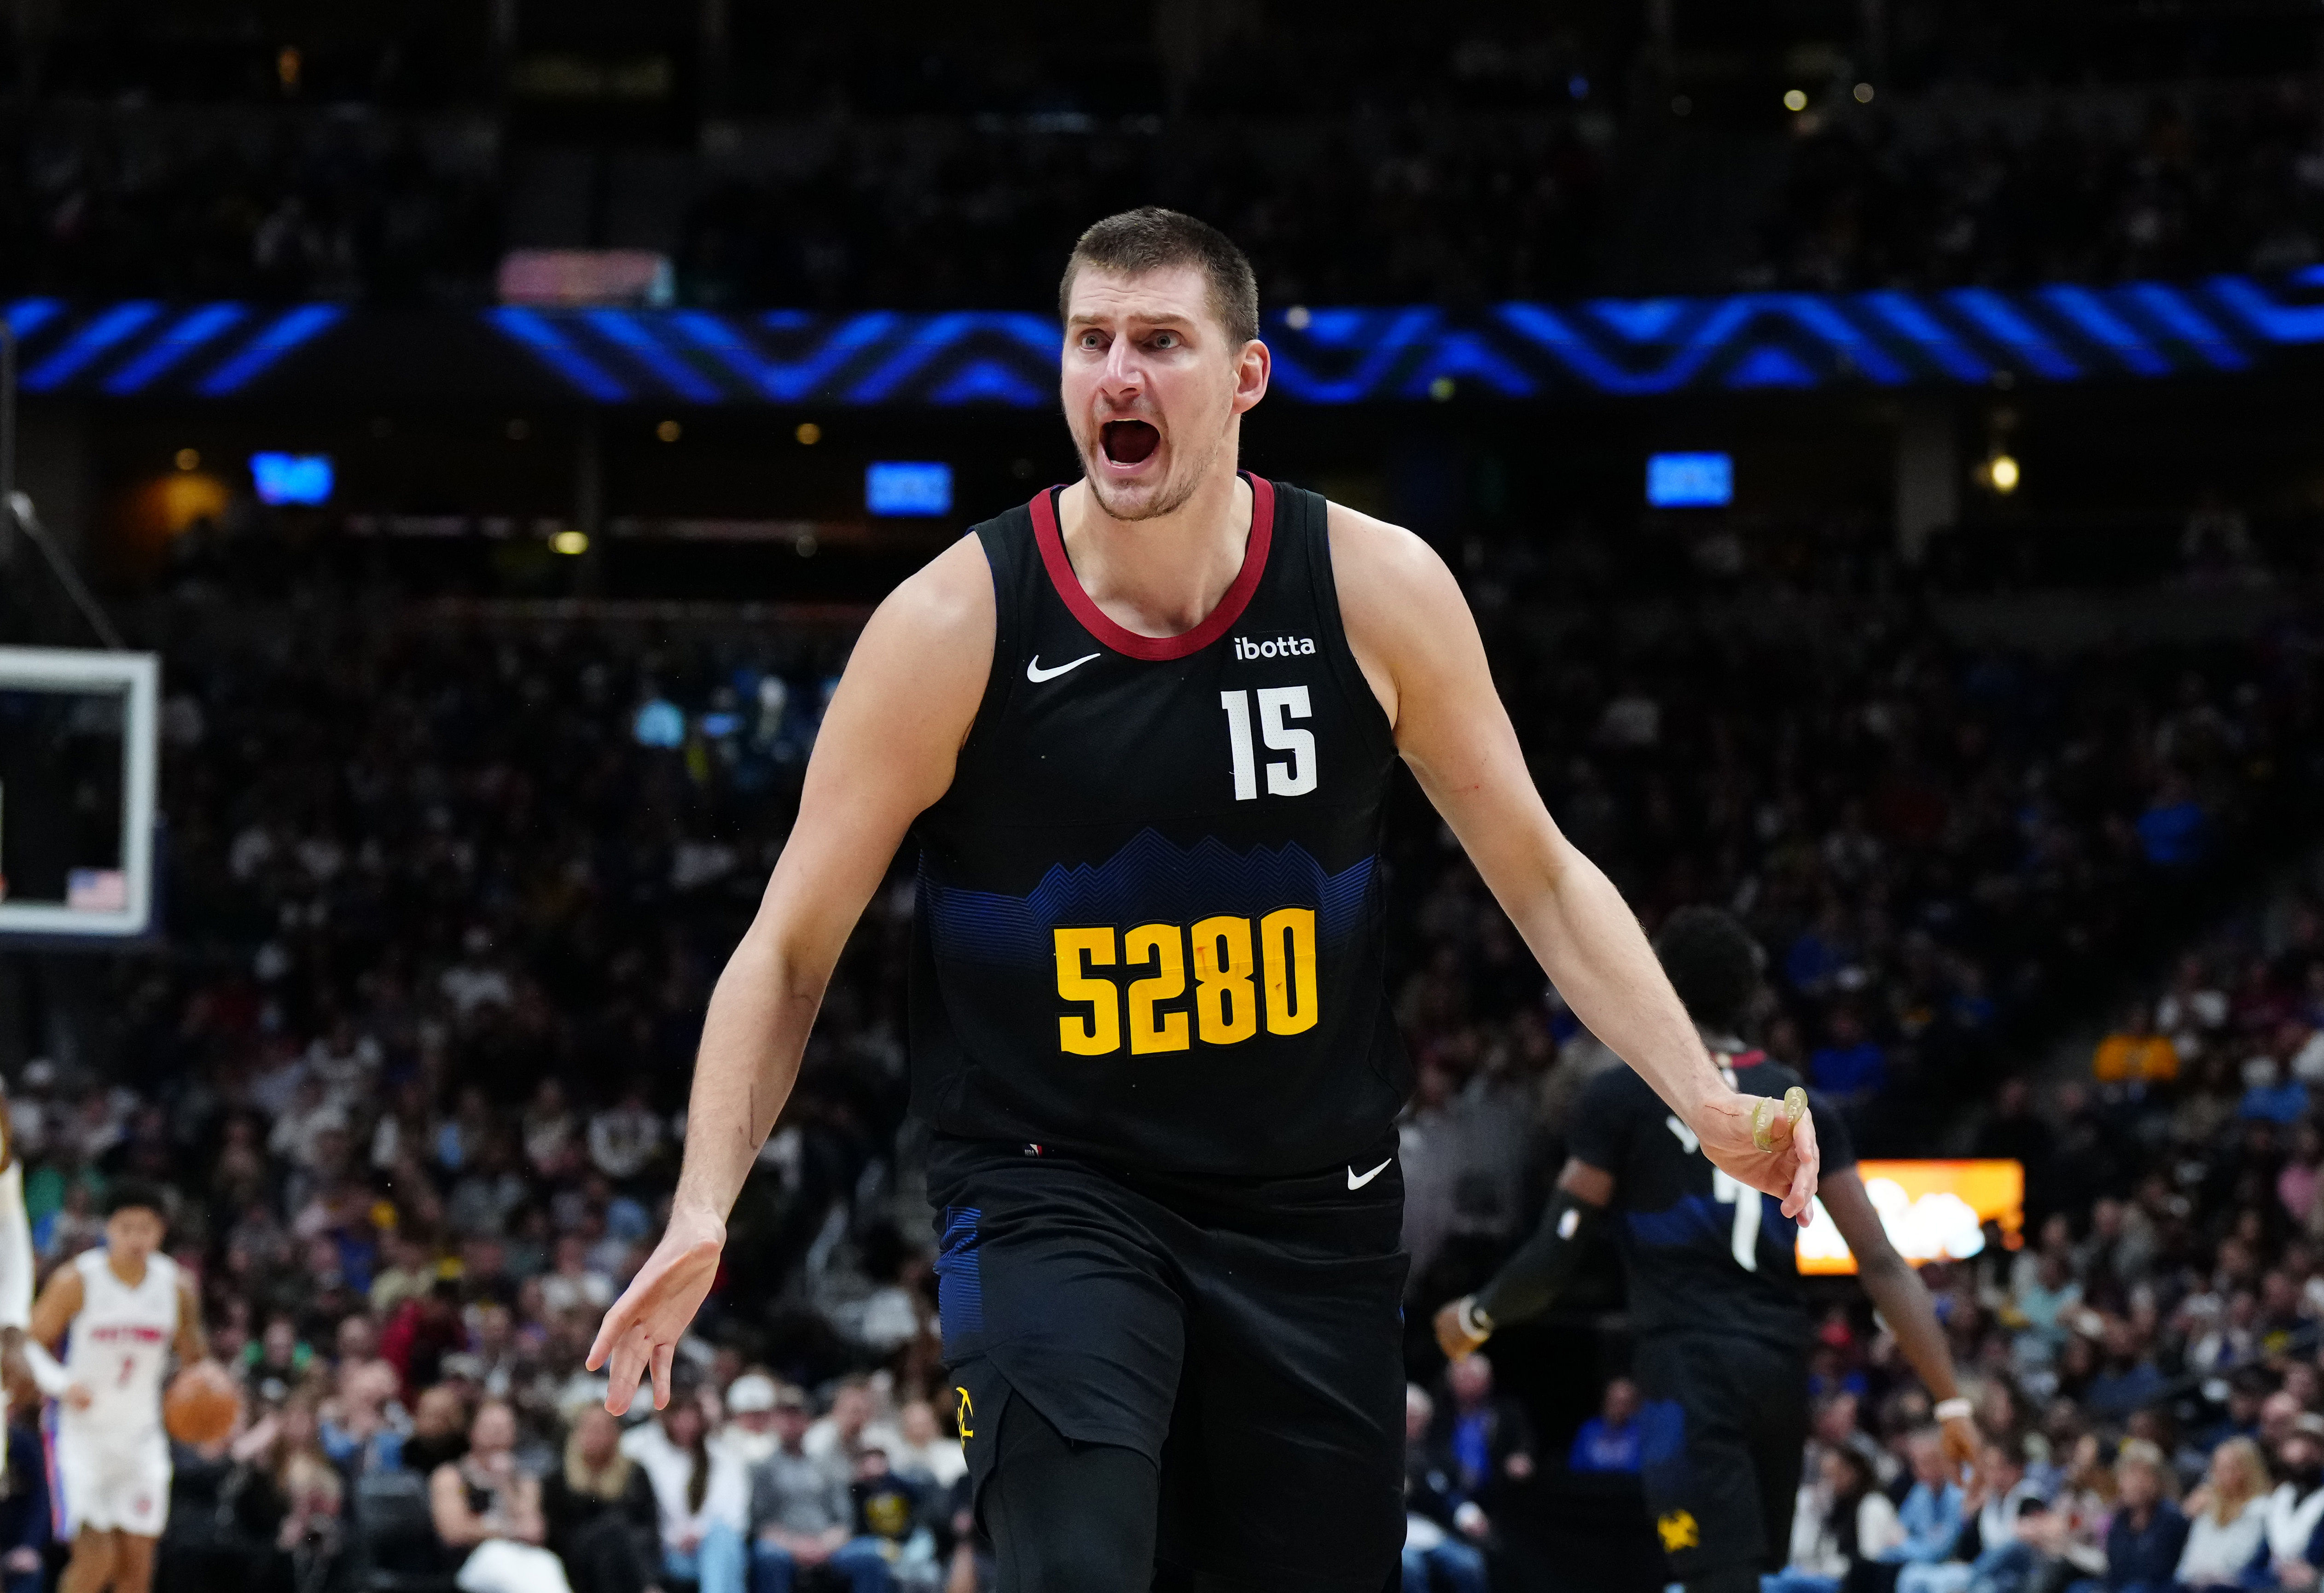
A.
pixel 291 478
pixel 907 487
pixel 1690 481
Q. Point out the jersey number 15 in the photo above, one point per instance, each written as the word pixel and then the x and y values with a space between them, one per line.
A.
pixel 1276 704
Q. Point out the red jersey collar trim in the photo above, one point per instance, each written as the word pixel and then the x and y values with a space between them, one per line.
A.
pixel 1158 649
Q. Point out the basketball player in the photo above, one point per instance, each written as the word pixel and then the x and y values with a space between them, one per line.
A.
pixel 17 1265
pixel 1143 728
pixel 124 1307
pixel 1722 1331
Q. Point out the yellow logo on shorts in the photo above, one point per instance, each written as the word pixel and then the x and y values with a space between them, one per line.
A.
pixel 1679 1530
pixel 961 1417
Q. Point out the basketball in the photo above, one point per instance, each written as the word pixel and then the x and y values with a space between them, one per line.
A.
pixel 201 1404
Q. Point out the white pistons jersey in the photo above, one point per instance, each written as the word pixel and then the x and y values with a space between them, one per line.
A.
pixel 119 1346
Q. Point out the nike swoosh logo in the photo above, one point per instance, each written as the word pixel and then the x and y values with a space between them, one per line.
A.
pixel 1355 1182
pixel 1035 674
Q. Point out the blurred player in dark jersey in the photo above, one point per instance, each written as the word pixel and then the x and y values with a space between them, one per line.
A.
pixel 1723 1331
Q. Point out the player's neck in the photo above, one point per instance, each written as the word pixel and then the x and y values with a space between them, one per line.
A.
pixel 1160 576
pixel 130 1272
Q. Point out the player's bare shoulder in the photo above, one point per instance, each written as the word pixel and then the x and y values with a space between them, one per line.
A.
pixel 1398 600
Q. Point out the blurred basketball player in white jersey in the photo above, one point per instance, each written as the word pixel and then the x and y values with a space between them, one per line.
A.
pixel 119 1310
pixel 15 1255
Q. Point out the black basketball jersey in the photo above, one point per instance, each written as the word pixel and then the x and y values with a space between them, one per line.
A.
pixel 1702 1252
pixel 1149 914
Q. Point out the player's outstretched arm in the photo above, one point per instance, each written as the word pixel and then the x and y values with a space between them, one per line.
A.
pixel 1419 645
pixel 886 751
pixel 1904 1304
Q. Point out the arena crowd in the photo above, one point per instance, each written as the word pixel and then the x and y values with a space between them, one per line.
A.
pixel 448 897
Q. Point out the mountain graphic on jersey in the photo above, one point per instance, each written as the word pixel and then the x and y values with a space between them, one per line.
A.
pixel 1149 879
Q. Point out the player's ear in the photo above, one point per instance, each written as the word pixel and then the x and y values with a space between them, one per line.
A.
pixel 1253 367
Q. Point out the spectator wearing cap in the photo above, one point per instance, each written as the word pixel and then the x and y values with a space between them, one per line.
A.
pixel 750 1430
pixel 803 1513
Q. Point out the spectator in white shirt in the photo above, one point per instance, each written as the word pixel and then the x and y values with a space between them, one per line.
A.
pixel 308 1116
pixel 1843 1521
pixel 702 1492
pixel 839 1435
pixel 921 1450
pixel 2226 1519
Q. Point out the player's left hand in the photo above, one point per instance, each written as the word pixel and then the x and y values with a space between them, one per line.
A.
pixel 1769 1145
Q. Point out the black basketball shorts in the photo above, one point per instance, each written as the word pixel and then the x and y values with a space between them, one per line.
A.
pixel 1243 1334
pixel 1722 1434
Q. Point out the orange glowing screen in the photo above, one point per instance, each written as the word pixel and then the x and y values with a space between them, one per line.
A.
pixel 1933 1211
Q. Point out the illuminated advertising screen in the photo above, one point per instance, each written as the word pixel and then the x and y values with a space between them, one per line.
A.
pixel 1933 1211
pixel 1690 481
pixel 898 486
pixel 291 478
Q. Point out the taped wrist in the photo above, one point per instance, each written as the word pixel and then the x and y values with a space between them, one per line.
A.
pixel 1530 1280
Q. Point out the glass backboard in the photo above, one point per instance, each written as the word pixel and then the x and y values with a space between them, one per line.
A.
pixel 77 778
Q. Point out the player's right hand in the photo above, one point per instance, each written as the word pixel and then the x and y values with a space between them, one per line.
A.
pixel 642 1328
pixel 78 1396
pixel 1768 1144
pixel 1453 1335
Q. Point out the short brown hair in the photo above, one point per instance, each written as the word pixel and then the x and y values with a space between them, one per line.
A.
pixel 1150 238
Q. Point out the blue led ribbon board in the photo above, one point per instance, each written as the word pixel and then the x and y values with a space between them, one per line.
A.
pixel 1604 347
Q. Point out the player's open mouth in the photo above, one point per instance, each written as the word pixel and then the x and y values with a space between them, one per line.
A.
pixel 1129 442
